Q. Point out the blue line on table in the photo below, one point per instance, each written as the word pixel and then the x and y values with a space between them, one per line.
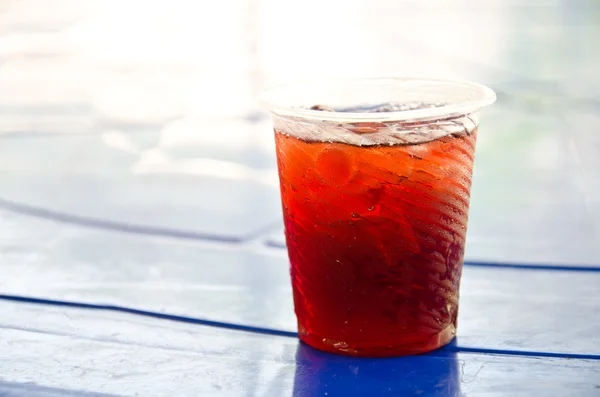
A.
pixel 96 223
pixel 261 330
pixel 524 266
pixel 111 225
pixel 463 349
pixel 146 313
pixel 28 210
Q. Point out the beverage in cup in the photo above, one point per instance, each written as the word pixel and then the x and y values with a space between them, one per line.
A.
pixel 375 178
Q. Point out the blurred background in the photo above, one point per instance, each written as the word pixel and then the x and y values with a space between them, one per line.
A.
pixel 140 118
pixel 137 169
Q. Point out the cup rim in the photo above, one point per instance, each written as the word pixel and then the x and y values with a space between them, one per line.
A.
pixel 272 100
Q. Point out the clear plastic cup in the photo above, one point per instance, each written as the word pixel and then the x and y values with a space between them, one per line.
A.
pixel 375 184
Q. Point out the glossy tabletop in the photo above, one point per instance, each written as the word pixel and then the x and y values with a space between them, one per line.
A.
pixel 141 244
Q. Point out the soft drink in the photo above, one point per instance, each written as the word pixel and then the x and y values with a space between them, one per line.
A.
pixel 375 217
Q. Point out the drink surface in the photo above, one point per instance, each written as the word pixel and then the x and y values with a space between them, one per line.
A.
pixel 376 237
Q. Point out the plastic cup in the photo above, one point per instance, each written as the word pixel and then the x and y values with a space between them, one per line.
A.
pixel 375 185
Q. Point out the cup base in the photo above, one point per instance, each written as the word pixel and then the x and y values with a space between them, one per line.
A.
pixel 375 349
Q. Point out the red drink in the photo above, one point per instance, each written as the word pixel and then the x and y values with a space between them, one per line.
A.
pixel 376 238
pixel 375 218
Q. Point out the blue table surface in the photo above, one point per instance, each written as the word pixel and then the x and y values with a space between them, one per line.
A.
pixel 114 353
pixel 141 243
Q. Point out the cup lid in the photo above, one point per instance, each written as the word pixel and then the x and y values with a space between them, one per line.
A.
pixel 357 99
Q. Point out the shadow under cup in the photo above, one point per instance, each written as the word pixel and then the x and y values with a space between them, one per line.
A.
pixel 323 374
pixel 375 185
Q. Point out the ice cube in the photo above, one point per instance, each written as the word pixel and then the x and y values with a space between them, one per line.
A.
pixel 335 166
pixel 418 152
